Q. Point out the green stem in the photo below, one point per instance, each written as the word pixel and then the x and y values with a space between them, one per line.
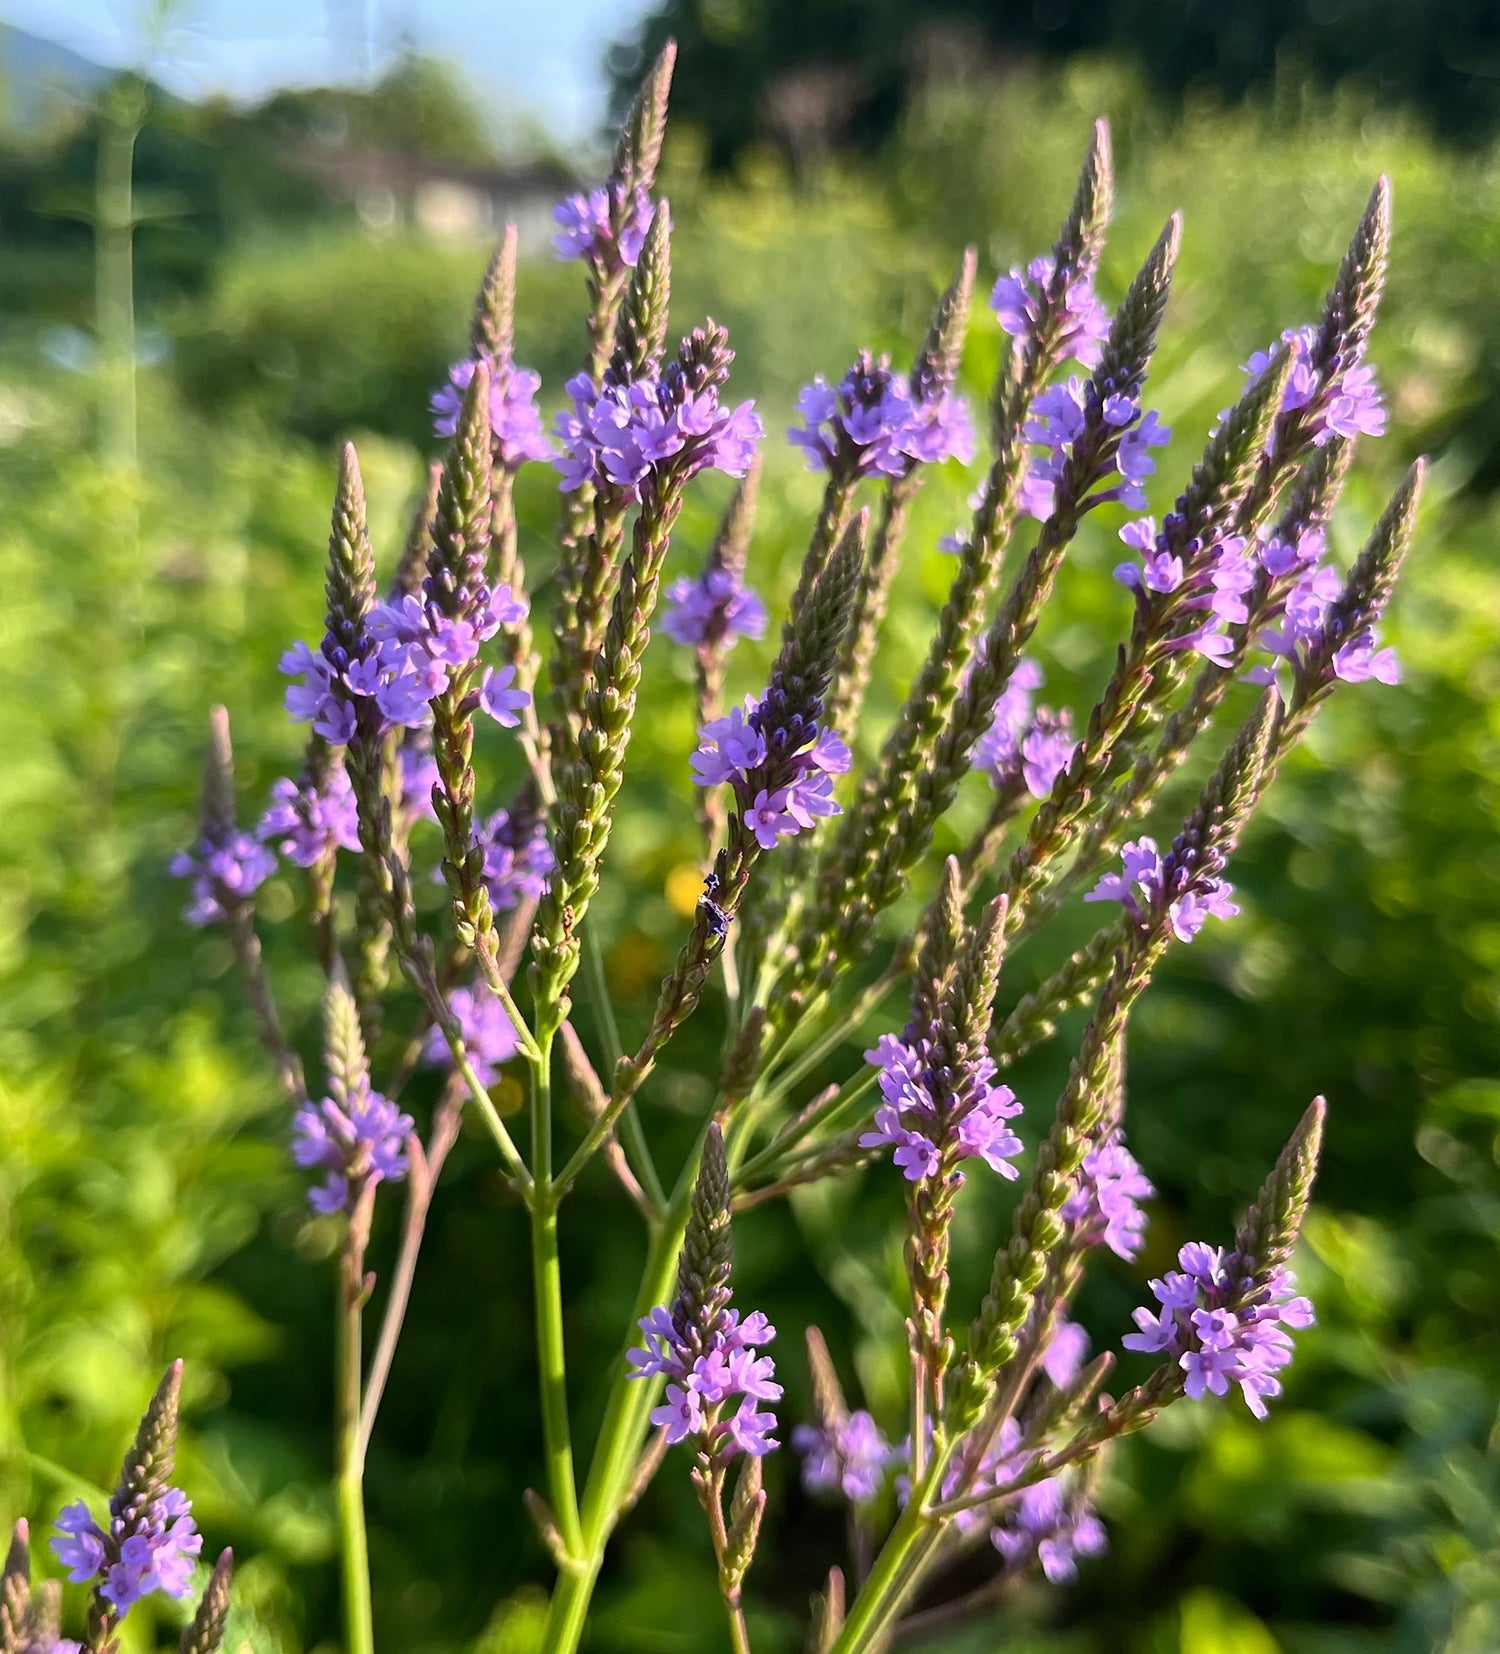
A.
pixel 897 1566
pixel 620 1437
pixel 547 1280
pixel 353 1545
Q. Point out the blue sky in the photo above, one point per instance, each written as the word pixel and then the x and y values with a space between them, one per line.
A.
pixel 529 59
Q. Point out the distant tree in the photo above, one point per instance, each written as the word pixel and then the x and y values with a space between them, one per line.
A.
pixel 811 74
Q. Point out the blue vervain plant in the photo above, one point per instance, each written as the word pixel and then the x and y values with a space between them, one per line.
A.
pixel 1008 1415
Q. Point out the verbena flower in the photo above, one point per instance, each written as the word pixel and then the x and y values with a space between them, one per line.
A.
pixel 931 1116
pixel 877 421
pixel 1190 893
pixel 517 857
pixel 705 1370
pixel 311 819
pixel 849 1458
pixel 1065 1351
pixel 1212 579
pixel 1302 613
pixel 619 436
pixel 515 420
pixel 356 1146
pixel 783 779
pixel 585 225
pixel 1345 402
pixel 1220 1328
pixel 1104 1208
pixel 419 773
pixel 1082 324
pixel 1032 746
pixel 225 869
pixel 488 1033
pixel 418 646
pixel 1057 421
pixel 712 610
pixel 148 1549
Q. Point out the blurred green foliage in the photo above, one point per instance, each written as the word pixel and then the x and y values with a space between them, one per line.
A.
pixel 146 1208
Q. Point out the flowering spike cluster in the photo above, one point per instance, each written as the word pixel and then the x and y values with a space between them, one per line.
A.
pixel 354 1136
pixel 226 866
pixel 1025 746
pixel 775 754
pixel 488 1034
pixel 29 1613
pixel 1081 322
pixel 310 820
pixel 1219 1328
pixel 875 422
pixel 701 1345
pixel 1104 1208
pixel 656 430
pixel 940 1104
pixel 151 1542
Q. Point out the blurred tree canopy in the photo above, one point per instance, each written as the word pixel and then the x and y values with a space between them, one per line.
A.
pixel 808 75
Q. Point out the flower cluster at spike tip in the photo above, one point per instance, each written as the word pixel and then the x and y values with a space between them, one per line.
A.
pixel 488 1034
pixel 1050 1521
pixel 225 867
pixel 929 1115
pixel 355 1144
pixel 1192 896
pixel 704 1375
pixel 1221 1327
pixel 849 1458
pixel 874 422
pixel 308 821
pixel 515 420
pixel 717 607
pixel 411 649
pixel 1025 745
pixel 737 749
pixel 586 226
pixel 148 1549
pixel 1059 417
pixel 1104 1208
pixel 1081 324
pixel 620 436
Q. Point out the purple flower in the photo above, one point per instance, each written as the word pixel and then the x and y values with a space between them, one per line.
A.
pixel 706 1368
pixel 517 857
pixel 1080 326
pixel 780 793
pixel 489 1036
pixel 515 421
pixel 148 1549
pixel 1342 401
pixel 848 1458
pixel 933 1117
pixel 1220 1327
pixel 1065 1351
pixel 1359 660
pixel 1059 418
pixel 357 1143
pixel 225 870
pixel 417 646
pixel 419 774
pixel 311 821
pixel 1033 747
pixel 605 226
pixel 622 437
pixel 1104 1209
pixel 876 421
pixel 712 610
pixel 1191 894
